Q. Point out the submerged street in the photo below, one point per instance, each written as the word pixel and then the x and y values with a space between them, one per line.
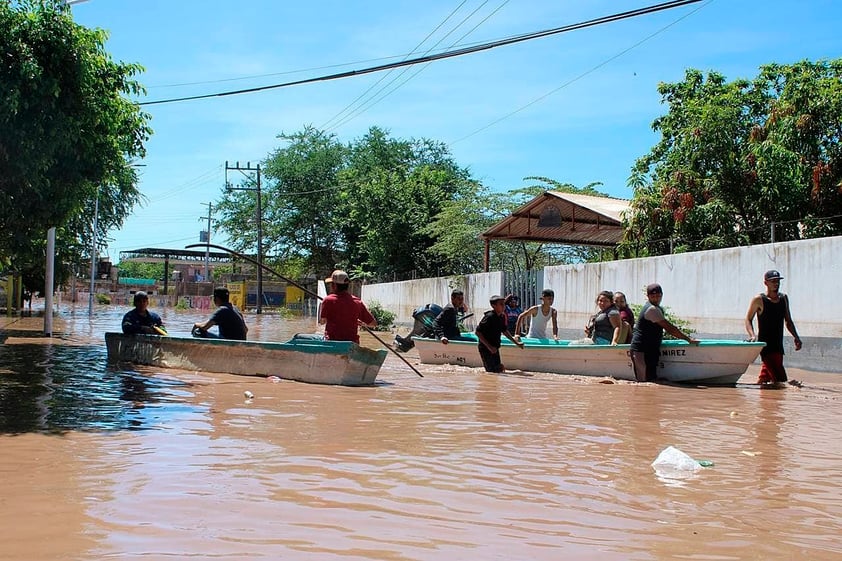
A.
pixel 137 463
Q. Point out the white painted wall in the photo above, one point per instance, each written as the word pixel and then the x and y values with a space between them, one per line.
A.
pixel 403 297
pixel 710 289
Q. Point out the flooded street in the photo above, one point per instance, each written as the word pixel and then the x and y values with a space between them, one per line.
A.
pixel 138 463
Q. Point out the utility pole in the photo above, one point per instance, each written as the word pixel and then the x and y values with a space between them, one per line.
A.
pixel 243 170
pixel 207 240
pixel 93 258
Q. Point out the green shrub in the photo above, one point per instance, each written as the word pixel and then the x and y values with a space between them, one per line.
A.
pixel 286 313
pixel 384 317
pixel 103 299
pixel 182 304
pixel 682 324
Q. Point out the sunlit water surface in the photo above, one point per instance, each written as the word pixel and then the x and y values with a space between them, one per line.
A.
pixel 130 462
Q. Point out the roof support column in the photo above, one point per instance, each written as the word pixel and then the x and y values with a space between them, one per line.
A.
pixel 166 273
pixel 487 254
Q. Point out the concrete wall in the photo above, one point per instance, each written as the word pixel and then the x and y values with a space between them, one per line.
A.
pixel 712 289
pixel 401 298
pixel 709 289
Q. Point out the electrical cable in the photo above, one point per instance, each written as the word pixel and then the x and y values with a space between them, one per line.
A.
pixel 414 49
pixel 374 100
pixel 441 56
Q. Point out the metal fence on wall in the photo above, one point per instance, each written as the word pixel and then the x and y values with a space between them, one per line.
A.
pixel 527 285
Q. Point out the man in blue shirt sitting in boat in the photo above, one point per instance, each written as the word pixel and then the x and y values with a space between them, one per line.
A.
pixel 140 320
pixel 227 317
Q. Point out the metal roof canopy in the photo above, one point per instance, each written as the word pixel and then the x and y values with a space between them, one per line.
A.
pixel 563 218
pixel 174 256
pixel 179 257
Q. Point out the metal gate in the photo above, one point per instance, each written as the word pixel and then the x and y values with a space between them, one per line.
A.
pixel 527 285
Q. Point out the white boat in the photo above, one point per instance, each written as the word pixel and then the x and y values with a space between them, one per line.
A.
pixel 305 360
pixel 712 362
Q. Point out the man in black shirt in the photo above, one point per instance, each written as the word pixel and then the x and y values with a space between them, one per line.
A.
pixel 227 317
pixel 492 325
pixel 772 311
pixel 446 324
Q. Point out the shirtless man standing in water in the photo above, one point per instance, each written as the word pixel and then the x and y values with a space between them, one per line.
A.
pixel 772 311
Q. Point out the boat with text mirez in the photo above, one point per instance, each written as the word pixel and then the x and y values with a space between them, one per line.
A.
pixel 313 361
pixel 711 362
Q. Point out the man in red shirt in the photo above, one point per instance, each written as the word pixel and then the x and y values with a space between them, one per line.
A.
pixel 342 312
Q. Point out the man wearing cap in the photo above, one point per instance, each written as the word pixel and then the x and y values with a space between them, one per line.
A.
pixel 342 312
pixel 140 320
pixel 648 333
pixel 772 311
pixel 490 328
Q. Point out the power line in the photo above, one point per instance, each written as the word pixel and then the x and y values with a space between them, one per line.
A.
pixel 414 49
pixel 579 77
pixel 447 54
pixel 374 100
pixel 271 74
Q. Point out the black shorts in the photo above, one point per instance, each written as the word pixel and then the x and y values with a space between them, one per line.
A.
pixel 490 360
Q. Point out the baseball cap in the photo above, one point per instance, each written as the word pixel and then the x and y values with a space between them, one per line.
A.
pixel 339 277
pixel 654 288
pixel 772 274
pixel 496 298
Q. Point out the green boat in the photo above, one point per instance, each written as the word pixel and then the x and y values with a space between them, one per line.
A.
pixel 313 361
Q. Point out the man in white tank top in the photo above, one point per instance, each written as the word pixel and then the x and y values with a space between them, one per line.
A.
pixel 540 316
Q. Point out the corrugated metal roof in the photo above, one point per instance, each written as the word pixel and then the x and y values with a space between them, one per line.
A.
pixel 175 256
pixel 566 218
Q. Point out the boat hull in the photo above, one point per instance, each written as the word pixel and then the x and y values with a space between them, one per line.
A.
pixel 312 361
pixel 719 362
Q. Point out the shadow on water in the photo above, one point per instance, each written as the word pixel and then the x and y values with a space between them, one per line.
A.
pixel 58 388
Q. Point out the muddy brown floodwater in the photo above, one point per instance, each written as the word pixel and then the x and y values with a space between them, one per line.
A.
pixel 137 463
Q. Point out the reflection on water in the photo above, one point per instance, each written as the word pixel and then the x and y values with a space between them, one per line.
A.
pixel 459 464
pixel 59 387
pixel 53 388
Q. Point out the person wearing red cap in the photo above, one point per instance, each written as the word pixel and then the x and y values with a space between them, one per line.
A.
pixel 341 312
pixel 772 311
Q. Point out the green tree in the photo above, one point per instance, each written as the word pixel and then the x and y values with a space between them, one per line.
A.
pixel 299 204
pixel 67 135
pixel 458 226
pixel 391 190
pixel 736 157
pixel 135 270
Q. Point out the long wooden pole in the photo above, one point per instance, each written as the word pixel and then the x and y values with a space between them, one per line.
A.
pixel 239 255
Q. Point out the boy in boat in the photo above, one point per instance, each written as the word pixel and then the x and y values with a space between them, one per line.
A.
pixel 227 318
pixel 490 328
pixel 772 311
pixel 140 320
pixel 540 316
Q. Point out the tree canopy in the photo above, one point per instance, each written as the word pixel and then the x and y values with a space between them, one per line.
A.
pixel 68 134
pixel 382 208
pixel 736 158
pixel 458 227
pixel 361 206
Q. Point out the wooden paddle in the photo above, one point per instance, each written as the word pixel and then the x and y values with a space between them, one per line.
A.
pixel 239 255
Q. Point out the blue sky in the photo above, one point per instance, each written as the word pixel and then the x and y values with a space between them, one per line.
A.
pixel 575 107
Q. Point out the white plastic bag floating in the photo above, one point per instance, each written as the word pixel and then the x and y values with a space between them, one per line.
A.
pixel 671 458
